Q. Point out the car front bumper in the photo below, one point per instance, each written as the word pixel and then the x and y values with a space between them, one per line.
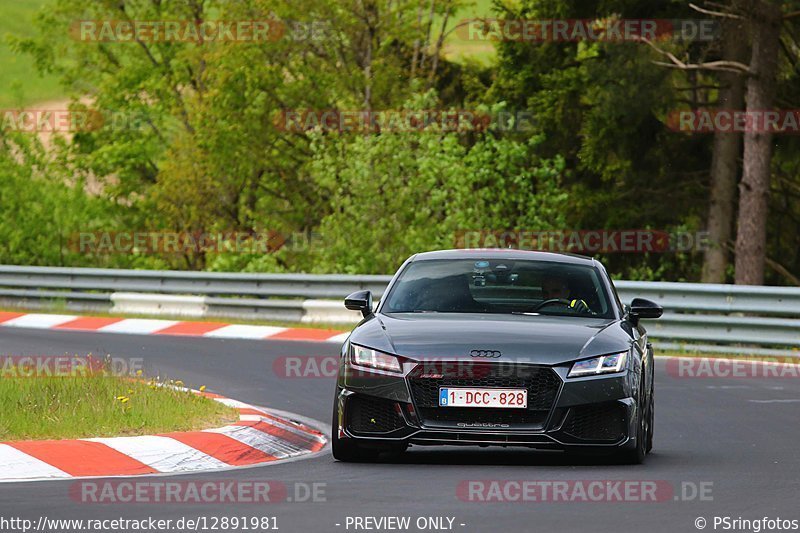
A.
pixel 585 413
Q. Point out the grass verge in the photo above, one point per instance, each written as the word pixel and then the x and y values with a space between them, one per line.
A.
pixel 98 405
pixel 456 47
pixel 20 83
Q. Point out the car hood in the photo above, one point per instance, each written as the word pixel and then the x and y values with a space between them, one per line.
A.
pixel 548 340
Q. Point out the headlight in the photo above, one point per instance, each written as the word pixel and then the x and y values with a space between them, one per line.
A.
pixel 370 358
pixel 605 364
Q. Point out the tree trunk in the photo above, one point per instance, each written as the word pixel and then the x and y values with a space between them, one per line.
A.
pixel 725 159
pixel 765 20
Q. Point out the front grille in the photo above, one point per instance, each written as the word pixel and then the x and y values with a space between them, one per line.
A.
pixel 373 415
pixel 542 384
pixel 596 422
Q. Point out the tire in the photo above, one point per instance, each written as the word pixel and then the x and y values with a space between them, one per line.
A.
pixel 347 450
pixel 651 419
pixel 636 455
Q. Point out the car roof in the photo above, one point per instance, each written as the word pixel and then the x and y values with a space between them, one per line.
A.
pixel 505 253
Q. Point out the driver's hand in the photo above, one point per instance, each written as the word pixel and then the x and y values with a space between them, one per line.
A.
pixel 579 306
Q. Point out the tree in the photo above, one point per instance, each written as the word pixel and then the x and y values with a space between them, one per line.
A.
pixel 191 141
pixel 751 236
pixel 763 19
pixel 725 156
pixel 602 106
pixel 400 193
pixel 42 213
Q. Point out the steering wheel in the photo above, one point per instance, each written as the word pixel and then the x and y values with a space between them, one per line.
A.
pixel 551 301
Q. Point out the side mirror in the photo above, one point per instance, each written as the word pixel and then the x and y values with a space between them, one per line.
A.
pixel 360 301
pixel 641 308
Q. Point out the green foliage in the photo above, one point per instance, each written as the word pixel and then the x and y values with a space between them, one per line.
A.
pixel 601 105
pixel 192 139
pixel 41 210
pixel 20 85
pixel 401 193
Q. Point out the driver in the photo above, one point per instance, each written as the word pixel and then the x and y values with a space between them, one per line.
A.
pixel 556 288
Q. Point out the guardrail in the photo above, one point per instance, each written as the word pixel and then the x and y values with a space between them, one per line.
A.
pixel 726 315
pixel 711 317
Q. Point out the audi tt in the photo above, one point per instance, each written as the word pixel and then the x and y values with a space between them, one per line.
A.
pixel 496 348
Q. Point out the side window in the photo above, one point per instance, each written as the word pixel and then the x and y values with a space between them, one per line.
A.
pixel 620 307
pixel 598 289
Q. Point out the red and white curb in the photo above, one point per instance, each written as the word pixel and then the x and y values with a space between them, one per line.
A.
pixel 144 326
pixel 258 437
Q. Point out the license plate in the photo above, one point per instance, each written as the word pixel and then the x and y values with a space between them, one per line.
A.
pixel 466 397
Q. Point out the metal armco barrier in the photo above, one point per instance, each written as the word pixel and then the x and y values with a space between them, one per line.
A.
pixel 704 317
pixel 722 315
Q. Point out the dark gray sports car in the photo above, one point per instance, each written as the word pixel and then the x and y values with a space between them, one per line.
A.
pixel 496 347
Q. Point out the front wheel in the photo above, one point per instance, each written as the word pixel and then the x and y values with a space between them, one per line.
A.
pixel 347 451
pixel 651 419
pixel 636 455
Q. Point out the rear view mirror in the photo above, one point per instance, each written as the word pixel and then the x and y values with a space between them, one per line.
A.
pixel 360 301
pixel 641 308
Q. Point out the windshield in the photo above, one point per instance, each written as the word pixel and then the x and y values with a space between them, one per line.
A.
pixel 499 286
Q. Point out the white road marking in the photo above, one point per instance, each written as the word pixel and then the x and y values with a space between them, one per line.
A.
pixel 41 321
pixel 286 427
pixel 340 338
pixel 236 404
pixel 162 453
pixel 137 325
pixel 242 331
pixel 19 465
pixel 259 440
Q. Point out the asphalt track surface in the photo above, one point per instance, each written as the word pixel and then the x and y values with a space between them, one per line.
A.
pixel 739 434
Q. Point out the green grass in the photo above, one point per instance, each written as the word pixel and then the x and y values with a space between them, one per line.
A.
pixel 20 83
pixel 100 406
pixel 458 49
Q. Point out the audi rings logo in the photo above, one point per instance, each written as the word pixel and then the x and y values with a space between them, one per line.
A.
pixel 492 354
